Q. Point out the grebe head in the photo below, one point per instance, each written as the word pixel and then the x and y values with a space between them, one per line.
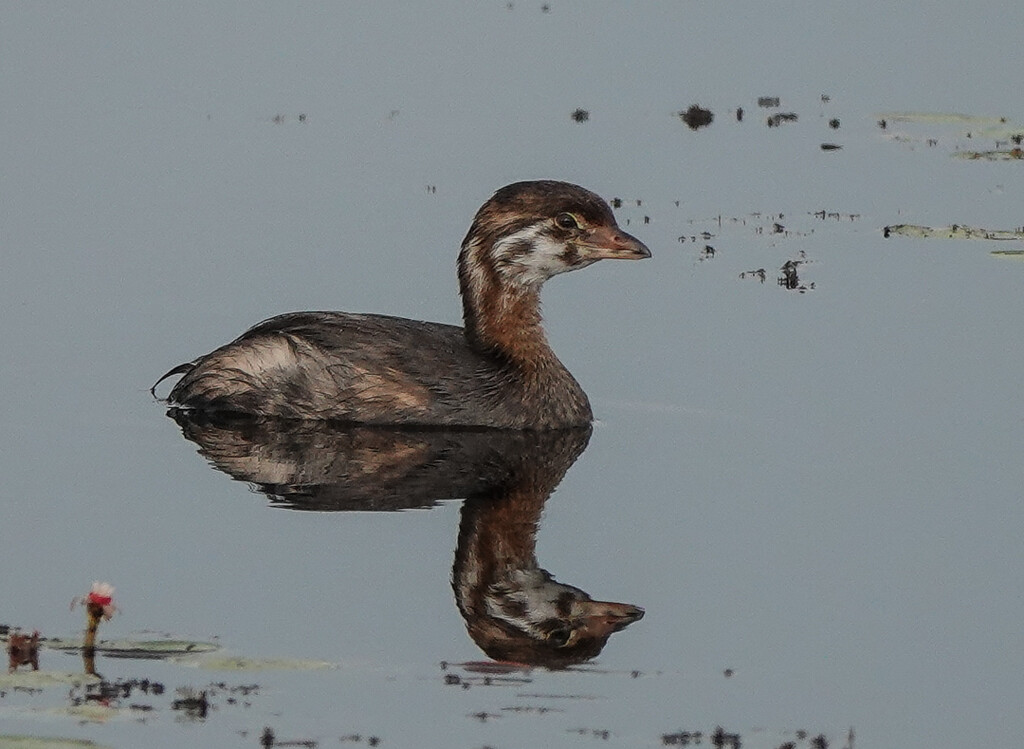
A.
pixel 530 231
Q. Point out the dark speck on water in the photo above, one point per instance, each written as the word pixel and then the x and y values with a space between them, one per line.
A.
pixel 697 117
pixel 721 739
pixel 681 738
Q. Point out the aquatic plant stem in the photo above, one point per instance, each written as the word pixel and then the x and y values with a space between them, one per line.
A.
pixel 93 614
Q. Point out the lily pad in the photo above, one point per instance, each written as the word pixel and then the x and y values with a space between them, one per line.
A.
pixel 240 663
pixel 956 231
pixel 942 118
pixel 89 712
pixel 1009 154
pixel 145 649
pixel 44 679
pixel 46 742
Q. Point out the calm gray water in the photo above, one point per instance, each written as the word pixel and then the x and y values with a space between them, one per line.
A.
pixel 819 492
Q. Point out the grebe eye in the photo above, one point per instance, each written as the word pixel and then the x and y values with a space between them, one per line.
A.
pixel 567 221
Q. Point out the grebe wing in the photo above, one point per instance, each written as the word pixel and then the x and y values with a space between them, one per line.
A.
pixel 343 366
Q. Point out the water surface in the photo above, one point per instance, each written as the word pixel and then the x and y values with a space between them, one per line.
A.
pixel 814 492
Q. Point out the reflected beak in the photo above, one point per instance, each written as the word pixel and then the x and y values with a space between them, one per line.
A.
pixel 612 617
pixel 610 242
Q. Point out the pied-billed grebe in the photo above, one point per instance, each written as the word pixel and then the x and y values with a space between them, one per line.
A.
pixel 497 371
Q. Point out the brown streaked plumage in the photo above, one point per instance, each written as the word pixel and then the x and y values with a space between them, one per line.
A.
pixel 497 371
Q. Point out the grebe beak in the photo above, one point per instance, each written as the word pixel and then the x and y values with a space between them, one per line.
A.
pixel 610 242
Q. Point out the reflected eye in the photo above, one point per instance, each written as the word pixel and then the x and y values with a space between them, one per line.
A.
pixel 567 221
pixel 559 637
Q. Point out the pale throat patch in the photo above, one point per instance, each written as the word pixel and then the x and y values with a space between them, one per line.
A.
pixel 530 256
pixel 535 591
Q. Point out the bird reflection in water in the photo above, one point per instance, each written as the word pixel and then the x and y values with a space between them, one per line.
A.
pixel 514 610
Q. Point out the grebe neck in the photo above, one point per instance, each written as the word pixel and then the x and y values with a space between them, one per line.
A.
pixel 502 315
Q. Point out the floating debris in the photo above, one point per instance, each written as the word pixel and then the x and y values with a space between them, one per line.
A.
pixel 790 278
pixel 768 102
pixel 9 741
pixel 358 738
pixel 22 650
pixel 580 115
pixel 739 114
pixel 834 123
pixel 598 733
pixel 719 739
pixel 1012 154
pixel 722 738
pixel 192 702
pixel 682 738
pixel 956 231
pixel 830 147
pixel 777 119
pixel 531 709
pixel 697 117
pixel 823 215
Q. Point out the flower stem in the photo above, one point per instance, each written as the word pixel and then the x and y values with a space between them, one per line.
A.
pixel 93 614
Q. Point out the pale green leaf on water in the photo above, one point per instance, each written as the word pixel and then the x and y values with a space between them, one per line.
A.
pixel 956 231
pixel 1008 154
pixel 91 712
pixel 240 663
pixel 45 742
pixel 942 118
pixel 42 679
pixel 87 712
pixel 136 648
